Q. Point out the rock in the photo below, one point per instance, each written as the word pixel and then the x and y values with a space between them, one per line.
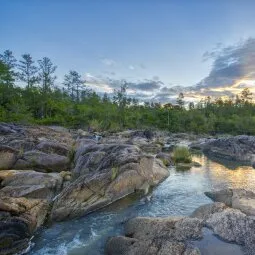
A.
pixel 19 219
pixel 223 196
pixel 83 133
pixel 53 148
pixel 30 184
pixel 241 199
pixel 165 158
pixel 157 236
pixel 106 173
pixel 205 211
pixel 148 134
pixel 152 148
pixel 42 162
pixel 22 145
pixel 244 200
pixel 234 226
pixel 6 129
pixel 8 156
pixel 239 148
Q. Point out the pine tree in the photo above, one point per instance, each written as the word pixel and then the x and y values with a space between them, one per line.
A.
pixel 28 71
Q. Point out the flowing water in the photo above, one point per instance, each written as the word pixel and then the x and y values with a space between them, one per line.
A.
pixel 180 194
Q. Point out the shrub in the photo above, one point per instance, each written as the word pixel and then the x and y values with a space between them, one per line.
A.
pixel 95 125
pixel 182 155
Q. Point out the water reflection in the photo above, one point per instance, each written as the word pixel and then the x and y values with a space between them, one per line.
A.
pixel 180 194
pixel 223 176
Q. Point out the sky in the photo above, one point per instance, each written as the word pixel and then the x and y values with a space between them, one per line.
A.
pixel 160 47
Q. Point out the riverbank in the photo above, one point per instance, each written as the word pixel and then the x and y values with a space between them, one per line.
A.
pixel 97 172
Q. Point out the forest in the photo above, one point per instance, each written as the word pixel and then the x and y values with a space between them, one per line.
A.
pixel 29 95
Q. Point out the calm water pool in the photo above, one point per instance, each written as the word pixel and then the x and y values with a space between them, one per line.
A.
pixel 180 194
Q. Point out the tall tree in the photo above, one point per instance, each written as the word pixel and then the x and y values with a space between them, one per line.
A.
pixel 180 100
pixel 46 74
pixel 120 98
pixel 47 78
pixel 9 60
pixel 28 70
pixel 73 83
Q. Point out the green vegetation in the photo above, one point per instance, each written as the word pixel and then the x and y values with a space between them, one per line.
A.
pixel 115 172
pixel 29 94
pixel 181 155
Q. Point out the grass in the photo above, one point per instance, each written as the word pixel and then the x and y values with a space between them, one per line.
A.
pixel 181 155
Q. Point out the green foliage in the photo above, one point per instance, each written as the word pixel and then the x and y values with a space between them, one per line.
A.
pixel 182 155
pixel 115 172
pixel 40 101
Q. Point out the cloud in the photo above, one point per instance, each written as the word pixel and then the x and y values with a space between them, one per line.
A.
pixel 146 85
pixel 108 61
pixel 233 69
pixel 231 64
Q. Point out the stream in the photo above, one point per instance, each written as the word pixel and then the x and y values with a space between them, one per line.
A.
pixel 180 194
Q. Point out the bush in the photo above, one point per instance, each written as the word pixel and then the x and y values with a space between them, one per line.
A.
pixel 182 155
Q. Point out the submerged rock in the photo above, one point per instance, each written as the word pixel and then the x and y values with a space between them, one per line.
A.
pixel 106 173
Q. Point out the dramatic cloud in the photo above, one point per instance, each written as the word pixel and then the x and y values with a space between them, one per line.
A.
pixel 233 69
pixel 231 64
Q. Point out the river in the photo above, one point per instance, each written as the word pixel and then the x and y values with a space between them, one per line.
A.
pixel 180 194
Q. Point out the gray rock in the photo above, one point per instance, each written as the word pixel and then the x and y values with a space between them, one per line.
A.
pixel 106 173
pixel 157 236
pixel 53 148
pixel 205 211
pixel 234 226
pixel 30 184
pixel 166 158
pixel 223 196
pixel 240 148
pixel 241 199
pixel 42 162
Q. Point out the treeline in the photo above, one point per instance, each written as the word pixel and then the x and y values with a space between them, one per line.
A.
pixel 29 94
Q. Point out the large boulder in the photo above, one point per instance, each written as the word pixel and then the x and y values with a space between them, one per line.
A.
pixel 239 148
pixel 41 161
pixel 19 219
pixel 106 173
pixel 30 184
pixel 241 199
pixel 157 236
